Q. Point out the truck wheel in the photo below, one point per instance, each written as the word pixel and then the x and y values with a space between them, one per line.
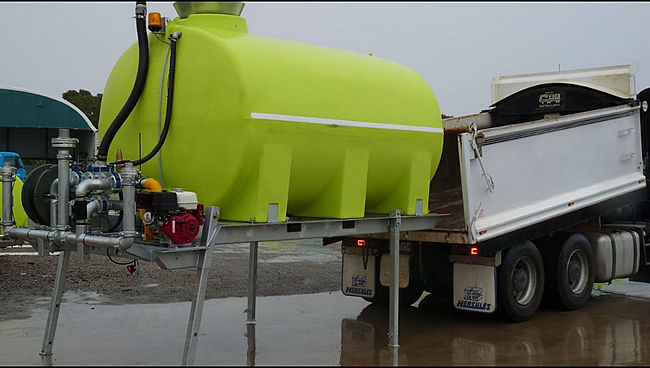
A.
pixel 571 273
pixel 521 282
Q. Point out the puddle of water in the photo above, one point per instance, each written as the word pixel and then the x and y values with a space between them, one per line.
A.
pixel 331 329
pixel 154 334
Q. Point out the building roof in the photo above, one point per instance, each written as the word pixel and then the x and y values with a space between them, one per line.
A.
pixel 21 108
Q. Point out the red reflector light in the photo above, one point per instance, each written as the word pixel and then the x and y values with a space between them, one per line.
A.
pixel 473 251
pixel 361 243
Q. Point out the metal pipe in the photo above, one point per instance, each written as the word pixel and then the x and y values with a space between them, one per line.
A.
pixel 252 282
pixel 63 158
pixel 7 179
pixel 122 242
pixel 54 187
pixel 63 143
pixel 129 176
pixel 92 207
pixel 88 185
pixel 68 237
pixel 393 308
pixel 80 230
pixel 53 206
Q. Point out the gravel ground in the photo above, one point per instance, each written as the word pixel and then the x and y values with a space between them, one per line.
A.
pixel 284 268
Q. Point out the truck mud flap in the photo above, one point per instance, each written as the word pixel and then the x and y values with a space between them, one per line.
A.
pixel 475 287
pixel 358 276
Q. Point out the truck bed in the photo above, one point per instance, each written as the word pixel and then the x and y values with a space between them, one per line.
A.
pixel 540 170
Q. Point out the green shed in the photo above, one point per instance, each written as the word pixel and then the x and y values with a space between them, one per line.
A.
pixel 29 120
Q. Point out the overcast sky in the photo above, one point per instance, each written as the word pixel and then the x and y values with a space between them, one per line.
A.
pixel 456 47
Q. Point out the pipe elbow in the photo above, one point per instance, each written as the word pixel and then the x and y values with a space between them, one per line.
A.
pixel 92 207
pixel 151 184
pixel 126 242
pixel 88 185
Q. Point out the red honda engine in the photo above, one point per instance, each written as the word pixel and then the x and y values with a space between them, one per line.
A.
pixel 176 215
pixel 182 229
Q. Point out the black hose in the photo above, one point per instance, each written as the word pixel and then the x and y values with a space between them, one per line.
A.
pixel 116 262
pixel 138 86
pixel 170 99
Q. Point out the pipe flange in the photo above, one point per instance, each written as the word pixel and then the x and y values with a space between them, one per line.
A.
pixel 61 142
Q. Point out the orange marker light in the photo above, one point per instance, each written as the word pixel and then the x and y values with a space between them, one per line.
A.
pixel 361 243
pixel 155 22
pixel 473 251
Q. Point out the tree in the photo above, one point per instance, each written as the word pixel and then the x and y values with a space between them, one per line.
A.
pixel 86 102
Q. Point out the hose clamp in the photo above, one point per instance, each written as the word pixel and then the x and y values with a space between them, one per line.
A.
pixel 140 10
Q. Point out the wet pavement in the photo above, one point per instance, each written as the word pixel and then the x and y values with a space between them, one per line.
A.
pixel 331 329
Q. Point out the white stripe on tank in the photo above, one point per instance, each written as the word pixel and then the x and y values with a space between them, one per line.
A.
pixel 336 122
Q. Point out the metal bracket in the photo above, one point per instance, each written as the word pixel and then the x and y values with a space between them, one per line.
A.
pixel 419 207
pixel 272 213
pixel 479 153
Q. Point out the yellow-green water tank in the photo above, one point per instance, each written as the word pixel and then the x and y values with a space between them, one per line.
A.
pixel 258 121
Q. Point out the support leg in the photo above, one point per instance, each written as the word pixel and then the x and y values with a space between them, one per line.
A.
pixel 55 303
pixel 252 283
pixel 393 323
pixel 202 272
pixel 250 339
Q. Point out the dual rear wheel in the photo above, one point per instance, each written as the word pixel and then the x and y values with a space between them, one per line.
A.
pixel 563 276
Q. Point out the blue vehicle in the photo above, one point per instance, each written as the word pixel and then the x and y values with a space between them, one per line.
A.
pixel 14 160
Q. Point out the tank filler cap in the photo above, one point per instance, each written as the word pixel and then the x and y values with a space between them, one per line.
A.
pixel 187 8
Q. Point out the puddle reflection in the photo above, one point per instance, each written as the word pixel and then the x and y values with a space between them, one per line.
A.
pixel 609 330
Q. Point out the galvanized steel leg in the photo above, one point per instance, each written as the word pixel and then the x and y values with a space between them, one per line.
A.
pixel 252 283
pixel 55 303
pixel 250 352
pixel 395 357
pixel 202 272
pixel 393 323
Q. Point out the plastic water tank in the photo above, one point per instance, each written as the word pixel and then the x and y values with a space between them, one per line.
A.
pixel 263 123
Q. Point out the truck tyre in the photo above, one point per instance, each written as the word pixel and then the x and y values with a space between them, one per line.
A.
pixel 570 273
pixel 521 282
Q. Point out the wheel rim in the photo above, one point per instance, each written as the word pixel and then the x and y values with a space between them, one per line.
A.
pixel 524 280
pixel 577 271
